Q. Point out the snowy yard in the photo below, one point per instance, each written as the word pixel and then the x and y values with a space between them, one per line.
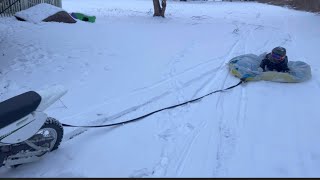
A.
pixel 129 63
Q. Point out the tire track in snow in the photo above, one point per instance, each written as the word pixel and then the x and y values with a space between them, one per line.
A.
pixel 136 92
pixel 161 169
pixel 205 64
pixel 175 83
pixel 241 114
pixel 100 121
pixel 227 131
pixel 186 147
pixel 198 66
pixel 206 84
pixel 228 57
pixel 79 131
pixel 187 150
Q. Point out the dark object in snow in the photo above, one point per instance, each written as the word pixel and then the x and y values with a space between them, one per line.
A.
pixel 20 19
pixel 44 12
pixel 61 16
pixel 83 17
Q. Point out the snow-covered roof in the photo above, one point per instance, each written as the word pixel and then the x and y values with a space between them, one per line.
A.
pixel 38 12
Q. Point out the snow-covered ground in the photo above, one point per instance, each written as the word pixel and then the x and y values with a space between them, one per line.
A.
pixel 129 63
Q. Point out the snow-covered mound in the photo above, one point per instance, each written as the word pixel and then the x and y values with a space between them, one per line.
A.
pixel 43 11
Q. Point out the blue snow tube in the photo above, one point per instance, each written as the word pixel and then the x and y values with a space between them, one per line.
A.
pixel 247 67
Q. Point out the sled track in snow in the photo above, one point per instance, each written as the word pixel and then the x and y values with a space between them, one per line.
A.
pixel 227 131
pixel 79 131
pixel 172 65
pixel 188 70
pixel 161 167
pixel 187 149
pixel 179 164
pixel 162 82
pixel 157 84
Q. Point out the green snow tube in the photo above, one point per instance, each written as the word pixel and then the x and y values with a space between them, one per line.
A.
pixel 247 66
pixel 83 17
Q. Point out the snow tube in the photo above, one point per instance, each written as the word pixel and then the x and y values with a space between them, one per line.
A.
pixel 247 66
pixel 83 17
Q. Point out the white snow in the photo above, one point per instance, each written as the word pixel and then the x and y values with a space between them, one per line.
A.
pixel 129 63
pixel 38 12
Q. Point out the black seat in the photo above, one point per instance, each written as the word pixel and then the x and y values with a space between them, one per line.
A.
pixel 17 107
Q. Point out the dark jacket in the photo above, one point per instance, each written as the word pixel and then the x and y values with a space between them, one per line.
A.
pixel 281 66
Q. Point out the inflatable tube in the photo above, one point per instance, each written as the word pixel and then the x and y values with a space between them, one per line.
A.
pixel 247 66
pixel 83 17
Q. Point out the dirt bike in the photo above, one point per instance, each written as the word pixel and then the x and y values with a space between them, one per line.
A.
pixel 26 132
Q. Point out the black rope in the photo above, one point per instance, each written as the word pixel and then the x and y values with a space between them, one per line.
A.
pixel 149 114
pixel 9 6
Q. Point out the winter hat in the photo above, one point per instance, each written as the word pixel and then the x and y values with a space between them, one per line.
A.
pixel 278 53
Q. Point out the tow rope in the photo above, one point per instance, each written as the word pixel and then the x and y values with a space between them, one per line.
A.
pixel 151 113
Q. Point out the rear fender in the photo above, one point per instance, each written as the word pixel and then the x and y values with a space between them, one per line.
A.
pixel 50 96
pixel 22 129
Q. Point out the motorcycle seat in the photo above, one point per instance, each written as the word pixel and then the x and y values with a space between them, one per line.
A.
pixel 17 107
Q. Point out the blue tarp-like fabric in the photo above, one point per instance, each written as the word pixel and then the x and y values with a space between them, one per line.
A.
pixel 247 66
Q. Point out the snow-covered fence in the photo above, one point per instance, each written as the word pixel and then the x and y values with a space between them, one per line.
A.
pixel 14 6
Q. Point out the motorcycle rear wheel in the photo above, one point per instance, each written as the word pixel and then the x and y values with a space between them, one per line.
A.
pixel 52 127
